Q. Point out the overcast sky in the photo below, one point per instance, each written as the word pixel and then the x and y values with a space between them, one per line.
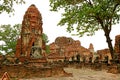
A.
pixel 50 20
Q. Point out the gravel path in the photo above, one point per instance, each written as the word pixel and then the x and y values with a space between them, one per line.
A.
pixel 83 74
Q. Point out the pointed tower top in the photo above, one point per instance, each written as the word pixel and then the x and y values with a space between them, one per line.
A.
pixel 91 47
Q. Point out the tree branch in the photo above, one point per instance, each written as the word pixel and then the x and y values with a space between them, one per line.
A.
pixel 115 7
pixel 89 2
pixel 110 22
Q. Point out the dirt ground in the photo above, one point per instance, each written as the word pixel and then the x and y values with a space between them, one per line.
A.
pixel 83 74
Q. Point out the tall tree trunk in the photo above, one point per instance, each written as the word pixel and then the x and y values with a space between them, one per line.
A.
pixel 109 41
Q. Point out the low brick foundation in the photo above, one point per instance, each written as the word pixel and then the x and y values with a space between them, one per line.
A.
pixel 21 71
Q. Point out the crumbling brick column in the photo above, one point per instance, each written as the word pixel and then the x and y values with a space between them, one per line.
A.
pixel 30 42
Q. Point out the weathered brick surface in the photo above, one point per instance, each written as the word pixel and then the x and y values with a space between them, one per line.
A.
pixel 31 34
pixel 117 45
pixel 103 53
pixel 22 71
pixel 66 47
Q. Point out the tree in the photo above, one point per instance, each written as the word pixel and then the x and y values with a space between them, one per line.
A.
pixel 88 16
pixel 45 38
pixel 7 5
pixel 9 36
pixel 47 49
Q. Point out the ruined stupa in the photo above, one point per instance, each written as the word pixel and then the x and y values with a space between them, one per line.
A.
pixel 30 43
pixel 117 45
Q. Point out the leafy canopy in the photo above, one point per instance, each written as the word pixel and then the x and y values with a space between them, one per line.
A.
pixel 7 5
pixel 87 16
pixel 9 35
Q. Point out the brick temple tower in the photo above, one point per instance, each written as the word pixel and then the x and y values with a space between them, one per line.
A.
pixel 30 43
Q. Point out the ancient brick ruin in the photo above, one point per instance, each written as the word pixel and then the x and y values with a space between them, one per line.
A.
pixel 117 45
pixel 103 54
pixel 91 48
pixel 65 47
pixel 30 43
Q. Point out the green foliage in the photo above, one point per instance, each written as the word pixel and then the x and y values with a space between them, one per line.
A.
pixel 87 16
pixel 7 5
pixel 47 49
pixel 45 38
pixel 9 36
pixel 0 53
